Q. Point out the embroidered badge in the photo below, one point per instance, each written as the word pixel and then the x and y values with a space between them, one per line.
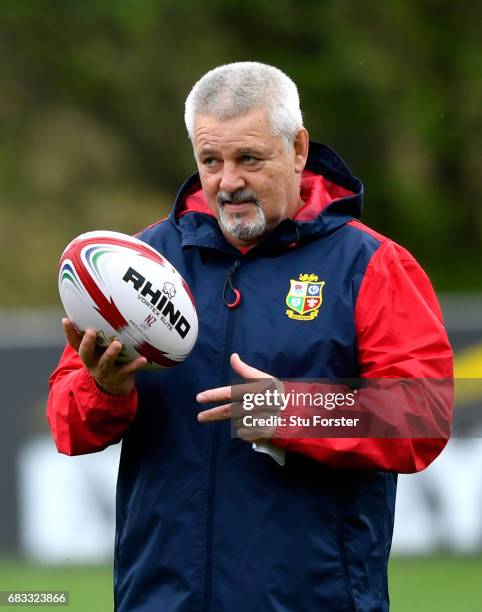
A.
pixel 304 297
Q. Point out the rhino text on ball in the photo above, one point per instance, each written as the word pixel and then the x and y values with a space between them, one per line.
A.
pixel 159 299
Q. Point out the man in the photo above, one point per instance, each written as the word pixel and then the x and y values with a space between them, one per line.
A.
pixel 203 521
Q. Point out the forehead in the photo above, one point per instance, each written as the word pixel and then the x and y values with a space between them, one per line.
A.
pixel 253 129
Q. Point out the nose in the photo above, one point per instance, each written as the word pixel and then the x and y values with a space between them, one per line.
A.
pixel 231 178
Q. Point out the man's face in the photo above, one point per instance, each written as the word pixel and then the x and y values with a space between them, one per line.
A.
pixel 250 180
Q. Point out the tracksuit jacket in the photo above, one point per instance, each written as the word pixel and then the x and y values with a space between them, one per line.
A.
pixel 203 522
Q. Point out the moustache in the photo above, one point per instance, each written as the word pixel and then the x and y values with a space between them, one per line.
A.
pixel 237 197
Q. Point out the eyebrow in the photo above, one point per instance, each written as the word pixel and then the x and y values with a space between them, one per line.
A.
pixel 249 151
pixel 207 151
pixel 241 151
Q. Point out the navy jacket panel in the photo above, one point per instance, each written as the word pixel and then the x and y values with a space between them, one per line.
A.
pixel 204 522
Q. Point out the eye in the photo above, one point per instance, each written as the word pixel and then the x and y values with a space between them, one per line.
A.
pixel 210 162
pixel 249 159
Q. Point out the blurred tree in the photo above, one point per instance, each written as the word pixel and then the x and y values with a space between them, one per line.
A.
pixel 91 116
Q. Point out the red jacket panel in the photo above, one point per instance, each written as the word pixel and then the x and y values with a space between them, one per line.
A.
pixel 82 418
pixel 400 334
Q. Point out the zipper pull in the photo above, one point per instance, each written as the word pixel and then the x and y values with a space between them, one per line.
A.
pixel 229 283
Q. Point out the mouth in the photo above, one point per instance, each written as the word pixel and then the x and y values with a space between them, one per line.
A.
pixel 239 207
pixel 237 201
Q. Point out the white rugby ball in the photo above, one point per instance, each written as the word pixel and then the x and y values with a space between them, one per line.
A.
pixel 126 290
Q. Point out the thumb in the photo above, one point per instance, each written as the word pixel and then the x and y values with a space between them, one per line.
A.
pixel 244 370
pixel 71 334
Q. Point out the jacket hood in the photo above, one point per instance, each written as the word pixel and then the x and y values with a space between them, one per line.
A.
pixel 331 195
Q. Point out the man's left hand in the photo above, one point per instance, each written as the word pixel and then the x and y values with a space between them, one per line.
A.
pixel 231 408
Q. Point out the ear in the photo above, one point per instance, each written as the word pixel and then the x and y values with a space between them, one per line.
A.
pixel 300 146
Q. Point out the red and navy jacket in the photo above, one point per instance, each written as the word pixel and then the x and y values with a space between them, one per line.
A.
pixel 204 522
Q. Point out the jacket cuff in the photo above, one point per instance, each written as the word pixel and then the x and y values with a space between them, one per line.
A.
pixel 116 404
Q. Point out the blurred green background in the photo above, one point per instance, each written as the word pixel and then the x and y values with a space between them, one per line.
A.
pixel 92 137
pixel 91 112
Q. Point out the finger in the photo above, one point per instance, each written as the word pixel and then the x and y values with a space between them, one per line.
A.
pixel 109 356
pixel 249 434
pixel 132 366
pixel 244 370
pixel 220 413
pixel 71 334
pixel 224 394
pixel 245 434
pixel 220 394
pixel 254 390
pixel 87 352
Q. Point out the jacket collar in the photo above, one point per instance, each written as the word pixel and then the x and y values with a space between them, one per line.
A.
pixel 331 193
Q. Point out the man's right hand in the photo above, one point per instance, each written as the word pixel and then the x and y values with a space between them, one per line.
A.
pixel 111 377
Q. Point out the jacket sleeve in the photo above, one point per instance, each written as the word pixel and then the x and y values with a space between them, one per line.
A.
pixel 81 417
pixel 400 334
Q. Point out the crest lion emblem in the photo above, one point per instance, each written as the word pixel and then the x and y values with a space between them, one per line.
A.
pixel 305 297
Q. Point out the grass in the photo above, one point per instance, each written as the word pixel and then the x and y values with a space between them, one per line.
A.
pixel 90 587
pixel 436 584
pixel 433 584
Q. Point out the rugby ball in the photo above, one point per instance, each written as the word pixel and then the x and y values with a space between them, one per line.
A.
pixel 128 291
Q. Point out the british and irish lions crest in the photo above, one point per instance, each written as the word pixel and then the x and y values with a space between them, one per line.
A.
pixel 304 297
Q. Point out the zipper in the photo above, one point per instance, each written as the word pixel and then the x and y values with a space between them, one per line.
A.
pixel 211 501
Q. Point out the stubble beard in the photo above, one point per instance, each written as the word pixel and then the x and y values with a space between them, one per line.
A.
pixel 237 225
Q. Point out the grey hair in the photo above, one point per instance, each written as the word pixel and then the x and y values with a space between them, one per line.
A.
pixel 234 89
